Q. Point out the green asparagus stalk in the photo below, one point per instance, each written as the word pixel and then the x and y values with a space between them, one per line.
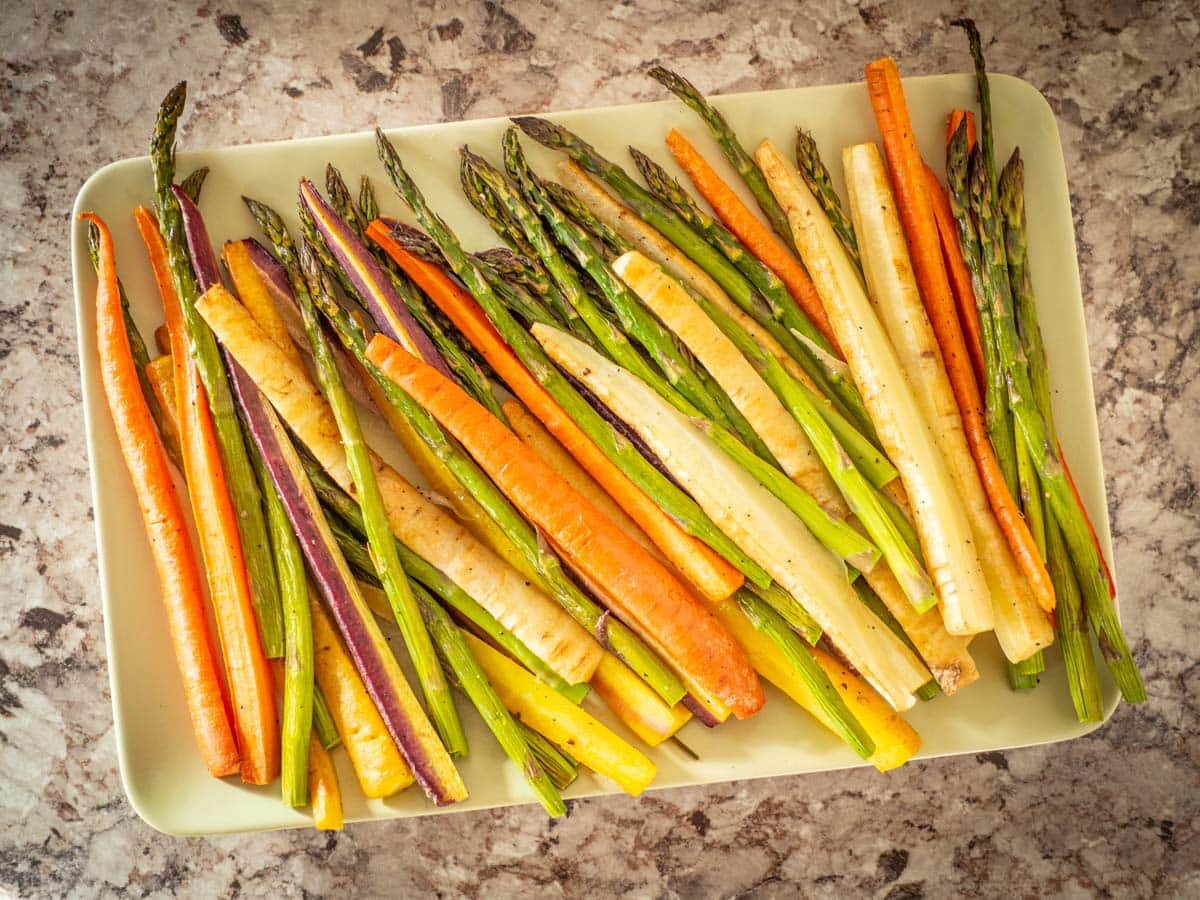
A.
pixel 983 88
pixel 194 182
pixel 816 176
pixel 865 455
pixel 626 645
pixel 561 768
pixel 239 474
pixel 298 666
pixel 342 202
pixel 484 202
pixel 801 338
pixel 141 358
pixel 998 419
pixel 383 547
pixel 872 601
pixel 323 724
pixel 789 609
pixel 489 205
pixel 579 213
pixel 453 650
pixel 1031 429
pixel 846 725
pixel 861 496
pixel 742 161
pixel 813 352
pixel 350 536
pixel 634 319
pixel 1076 646
pixel 622 453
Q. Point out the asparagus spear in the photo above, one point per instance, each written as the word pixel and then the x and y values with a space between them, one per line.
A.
pixel 844 722
pixel 453 650
pixel 816 176
pixel 510 230
pixel 1072 624
pixel 671 194
pixel 458 358
pixel 731 147
pixel 959 165
pixel 239 475
pixel 562 769
pixel 579 213
pixel 868 458
pixel 657 340
pixel 623 642
pixel 193 183
pixel 792 319
pixel 298 666
pixel 1015 457
pixel 1031 428
pixel 342 202
pixel 633 317
pixel 141 357
pixel 674 501
pixel 323 724
pixel 350 536
pixel 383 547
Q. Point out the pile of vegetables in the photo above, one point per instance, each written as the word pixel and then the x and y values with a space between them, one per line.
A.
pixel 673 447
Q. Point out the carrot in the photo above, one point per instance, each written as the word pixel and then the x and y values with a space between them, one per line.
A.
pixel 920 230
pixel 958 273
pixel 955 119
pixel 174 559
pixel 636 586
pixel 698 563
pixel 246 669
pixel 750 230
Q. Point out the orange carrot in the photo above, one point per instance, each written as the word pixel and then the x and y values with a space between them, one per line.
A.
pixel 959 274
pixel 955 119
pixel 182 592
pixel 636 586
pixel 916 214
pixel 750 230
pixel 698 563
pixel 246 669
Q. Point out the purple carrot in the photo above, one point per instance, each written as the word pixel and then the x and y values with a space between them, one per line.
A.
pixel 334 580
pixel 370 280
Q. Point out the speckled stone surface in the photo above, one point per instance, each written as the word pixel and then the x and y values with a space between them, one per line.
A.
pixel 1112 814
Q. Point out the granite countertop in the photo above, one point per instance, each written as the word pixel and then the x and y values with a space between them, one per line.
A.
pixel 1113 813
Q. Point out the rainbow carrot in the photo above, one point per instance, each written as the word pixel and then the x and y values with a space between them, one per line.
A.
pixel 179 575
pixel 246 670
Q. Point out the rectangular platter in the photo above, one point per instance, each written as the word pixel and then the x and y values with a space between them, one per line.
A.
pixel 162 773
